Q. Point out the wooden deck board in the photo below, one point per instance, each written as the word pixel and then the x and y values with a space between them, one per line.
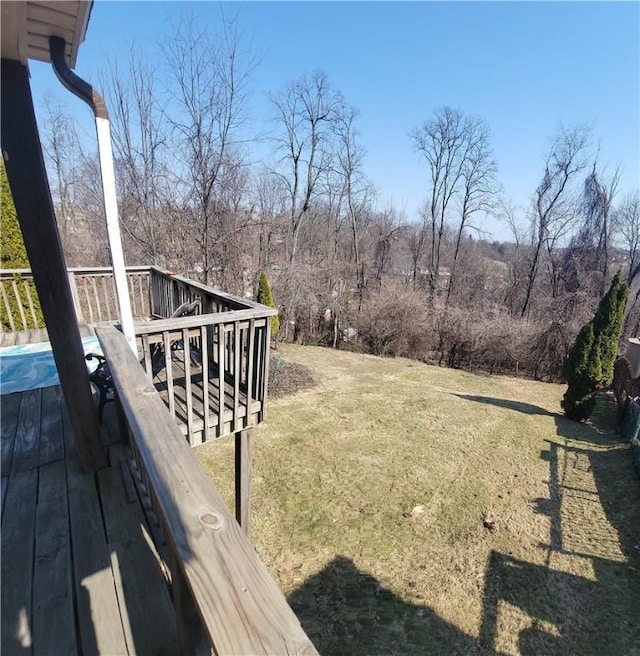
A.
pixel 138 572
pixel 79 573
pixel 51 442
pixel 53 617
pixel 26 447
pixel 18 527
pixel 100 624
pixel 4 481
pixel 9 409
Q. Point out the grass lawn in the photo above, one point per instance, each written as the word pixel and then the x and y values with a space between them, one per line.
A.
pixel 410 509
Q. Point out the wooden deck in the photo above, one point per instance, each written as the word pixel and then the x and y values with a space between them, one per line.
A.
pixel 80 574
pixel 185 395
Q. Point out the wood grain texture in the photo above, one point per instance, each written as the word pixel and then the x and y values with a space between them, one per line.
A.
pixel 243 480
pixel 9 410
pixel 242 608
pixel 51 442
pixel 53 615
pixel 26 451
pixel 98 614
pixel 142 591
pixel 16 566
pixel 196 321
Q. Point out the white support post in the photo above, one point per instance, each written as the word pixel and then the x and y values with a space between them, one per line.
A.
pixel 113 230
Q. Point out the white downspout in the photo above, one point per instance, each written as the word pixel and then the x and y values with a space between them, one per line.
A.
pixel 86 92
pixel 103 130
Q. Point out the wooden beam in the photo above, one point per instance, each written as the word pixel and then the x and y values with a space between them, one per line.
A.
pixel 32 198
pixel 243 479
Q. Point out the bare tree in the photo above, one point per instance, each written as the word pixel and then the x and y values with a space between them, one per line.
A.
pixel 512 215
pixel 594 237
pixel 207 109
pixel 553 203
pixel 269 203
pixel 627 223
pixel 304 112
pixel 141 152
pixel 479 186
pixel 62 150
pixel 627 226
pixel 356 189
pixel 459 163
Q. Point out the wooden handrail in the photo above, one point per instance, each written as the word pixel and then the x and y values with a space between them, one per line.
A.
pixel 230 299
pixel 8 273
pixel 239 604
pixel 199 320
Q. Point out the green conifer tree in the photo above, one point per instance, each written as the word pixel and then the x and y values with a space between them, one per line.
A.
pixel 593 354
pixel 580 369
pixel 12 252
pixel 607 325
pixel 13 255
pixel 266 298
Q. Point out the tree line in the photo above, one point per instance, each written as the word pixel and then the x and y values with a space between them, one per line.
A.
pixel 345 272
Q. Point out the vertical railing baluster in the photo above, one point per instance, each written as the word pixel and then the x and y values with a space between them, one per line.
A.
pixel 186 354
pixel 16 293
pixel 148 365
pixel 250 347
pixel 257 351
pixel 7 306
pixel 221 350
pixel 236 374
pixel 168 365
pixel 204 356
pixel 75 296
pixel 87 296
pixel 265 379
pixel 132 296
pixel 141 290
pixel 95 296
pixel 27 290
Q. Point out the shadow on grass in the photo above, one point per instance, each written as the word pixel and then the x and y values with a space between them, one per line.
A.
pixel 346 611
pixel 594 517
pixel 526 408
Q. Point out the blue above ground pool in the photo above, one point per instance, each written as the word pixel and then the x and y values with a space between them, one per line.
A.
pixel 30 366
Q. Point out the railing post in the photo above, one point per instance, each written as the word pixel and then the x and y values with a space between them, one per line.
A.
pixel 243 479
pixel 74 295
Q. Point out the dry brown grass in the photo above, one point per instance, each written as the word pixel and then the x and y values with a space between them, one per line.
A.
pixel 410 509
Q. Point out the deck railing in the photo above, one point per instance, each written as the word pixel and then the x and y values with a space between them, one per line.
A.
pixel 224 596
pixel 211 367
pixel 93 291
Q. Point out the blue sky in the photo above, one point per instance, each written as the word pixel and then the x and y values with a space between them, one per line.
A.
pixel 524 67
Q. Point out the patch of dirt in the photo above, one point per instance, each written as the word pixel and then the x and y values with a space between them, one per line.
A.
pixel 288 377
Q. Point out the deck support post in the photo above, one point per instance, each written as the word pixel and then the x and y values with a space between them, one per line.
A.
pixel 243 479
pixel 32 198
